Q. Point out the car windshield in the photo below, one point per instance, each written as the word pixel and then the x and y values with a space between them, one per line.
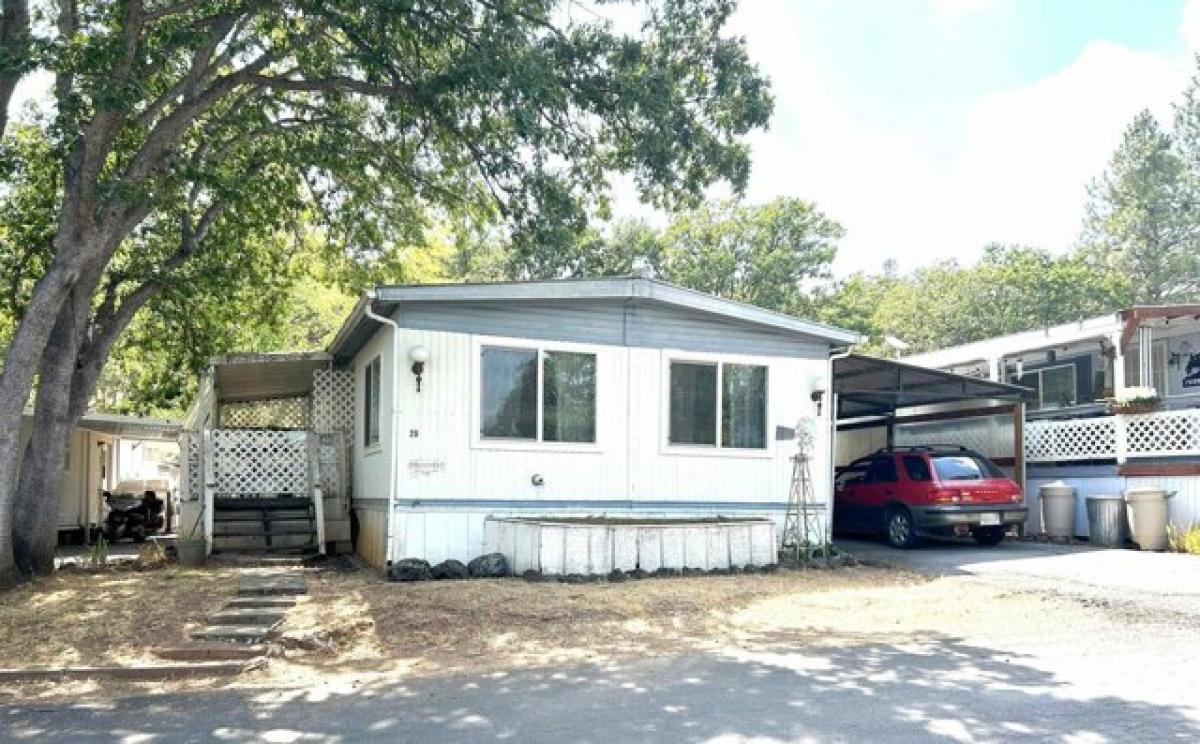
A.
pixel 964 467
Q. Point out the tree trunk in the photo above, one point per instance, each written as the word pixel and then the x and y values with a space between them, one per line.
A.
pixel 16 381
pixel 39 491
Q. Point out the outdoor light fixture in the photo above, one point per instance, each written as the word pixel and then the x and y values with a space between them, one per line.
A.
pixel 818 392
pixel 419 355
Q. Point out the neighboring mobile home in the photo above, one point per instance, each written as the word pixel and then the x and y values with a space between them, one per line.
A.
pixel 453 404
pixel 104 450
pixel 1076 369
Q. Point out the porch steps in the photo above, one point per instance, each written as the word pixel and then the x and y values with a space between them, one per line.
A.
pixel 264 525
pixel 262 601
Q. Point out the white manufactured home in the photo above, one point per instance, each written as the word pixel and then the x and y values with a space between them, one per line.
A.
pixel 447 410
pixel 1075 370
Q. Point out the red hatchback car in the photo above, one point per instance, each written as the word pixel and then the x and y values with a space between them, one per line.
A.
pixel 906 492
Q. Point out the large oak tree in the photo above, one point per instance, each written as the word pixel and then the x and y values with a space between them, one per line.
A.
pixel 183 135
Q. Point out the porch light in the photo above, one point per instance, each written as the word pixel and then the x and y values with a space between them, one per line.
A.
pixel 818 388
pixel 419 355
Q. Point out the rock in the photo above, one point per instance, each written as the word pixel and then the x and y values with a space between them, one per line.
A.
pixel 489 566
pixel 574 579
pixel 637 574
pixel 410 569
pixel 616 576
pixel 450 569
pixel 533 576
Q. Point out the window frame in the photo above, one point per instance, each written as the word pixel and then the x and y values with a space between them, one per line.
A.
pixel 373 374
pixel 667 447
pixel 478 441
pixel 1041 389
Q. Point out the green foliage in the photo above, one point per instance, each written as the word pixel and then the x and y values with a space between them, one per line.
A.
pixel 1141 220
pixel 1011 289
pixel 1184 540
pixel 254 166
pixel 772 255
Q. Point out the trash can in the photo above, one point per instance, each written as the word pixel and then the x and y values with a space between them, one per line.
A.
pixel 1148 516
pixel 1058 509
pixel 1107 525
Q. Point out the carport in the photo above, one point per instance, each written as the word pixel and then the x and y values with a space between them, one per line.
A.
pixel 885 403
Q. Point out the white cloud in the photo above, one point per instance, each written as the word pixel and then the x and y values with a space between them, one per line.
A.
pixel 1191 25
pixel 1020 175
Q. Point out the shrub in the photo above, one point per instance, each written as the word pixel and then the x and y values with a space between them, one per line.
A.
pixel 1184 540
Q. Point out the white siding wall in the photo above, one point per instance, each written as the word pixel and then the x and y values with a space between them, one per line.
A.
pixel 371 465
pixel 441 459
pixel 1184 507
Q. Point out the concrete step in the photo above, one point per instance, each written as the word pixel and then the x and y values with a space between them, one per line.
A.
pixel 299 542
pixel 260 528
pixel 249 516
pixel 273 503
pixel 267 616
pixel 211 652
pixel 252 634
pixel 281 585
pixel 257 603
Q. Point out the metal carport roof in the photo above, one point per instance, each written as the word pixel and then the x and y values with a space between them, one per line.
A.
pixel 868 386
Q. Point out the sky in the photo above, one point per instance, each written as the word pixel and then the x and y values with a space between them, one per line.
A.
pixel 930 128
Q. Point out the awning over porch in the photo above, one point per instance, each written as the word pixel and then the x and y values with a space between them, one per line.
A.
pixel 869 386
pixel 246 377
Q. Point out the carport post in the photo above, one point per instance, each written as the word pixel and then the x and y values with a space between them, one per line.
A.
pixel 1018 414
pixel 890 423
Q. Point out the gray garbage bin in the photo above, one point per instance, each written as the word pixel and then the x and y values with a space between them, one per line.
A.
pixel 1148 516
pixel 1107 523
pixel 1058 509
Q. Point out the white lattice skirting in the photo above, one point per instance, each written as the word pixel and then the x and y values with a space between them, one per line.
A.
pixel 1157 434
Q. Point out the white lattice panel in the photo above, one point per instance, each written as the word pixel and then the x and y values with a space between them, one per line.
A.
pixel 191 467
pixel 276 413
pixel 1162 433
pixel 1073 439
pixel 333 401
pixel 259 462
pixel 330 468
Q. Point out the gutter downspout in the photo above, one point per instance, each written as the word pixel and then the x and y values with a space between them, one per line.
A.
pixel 394 431
pixel 829 463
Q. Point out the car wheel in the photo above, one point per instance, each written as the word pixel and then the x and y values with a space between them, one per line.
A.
pixel 901 530
pixel 988 535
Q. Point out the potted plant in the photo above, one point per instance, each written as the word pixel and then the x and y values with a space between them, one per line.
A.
pixel 193 549
pixel 1136 400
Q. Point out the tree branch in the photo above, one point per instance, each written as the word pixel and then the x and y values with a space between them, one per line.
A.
pixel 14 49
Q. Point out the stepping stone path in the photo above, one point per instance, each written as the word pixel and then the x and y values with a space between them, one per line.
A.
pixel 262 600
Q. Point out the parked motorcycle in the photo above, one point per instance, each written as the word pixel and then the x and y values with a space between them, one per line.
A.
pixel 133 518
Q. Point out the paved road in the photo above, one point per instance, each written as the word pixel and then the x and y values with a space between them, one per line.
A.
pixel 944 691
pixel 1167 580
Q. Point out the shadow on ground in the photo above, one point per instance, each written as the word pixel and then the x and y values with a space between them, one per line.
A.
pixel 941 689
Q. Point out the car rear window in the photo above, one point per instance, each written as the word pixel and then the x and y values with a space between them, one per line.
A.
pixel 964 467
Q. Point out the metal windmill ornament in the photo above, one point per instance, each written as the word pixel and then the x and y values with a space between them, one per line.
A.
pixel 802 522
